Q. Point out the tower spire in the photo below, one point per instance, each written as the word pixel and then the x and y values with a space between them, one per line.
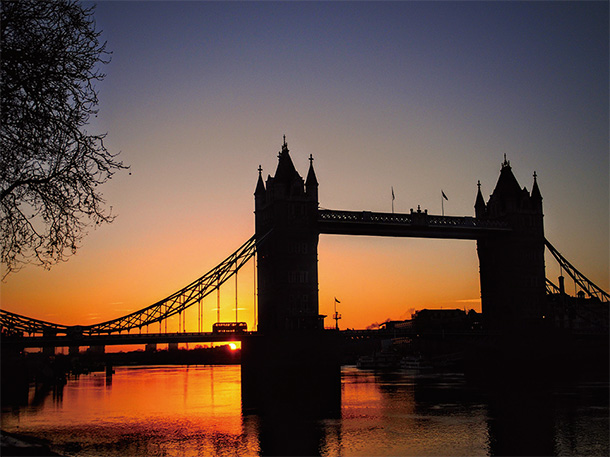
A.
pixel 506 163
pixel 311 183
pixel 260 185
pixel 479 205
pixel 536 195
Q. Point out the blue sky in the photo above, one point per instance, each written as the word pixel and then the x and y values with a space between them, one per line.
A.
pixel 418 96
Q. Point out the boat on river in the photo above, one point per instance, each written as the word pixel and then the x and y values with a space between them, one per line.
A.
pixel 414 364
pixel 379 361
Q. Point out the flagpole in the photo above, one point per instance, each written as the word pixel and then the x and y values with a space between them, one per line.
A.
pixel 336 316
pixel 443 197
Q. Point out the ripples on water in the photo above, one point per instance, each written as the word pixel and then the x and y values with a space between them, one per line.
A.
pixel 178 411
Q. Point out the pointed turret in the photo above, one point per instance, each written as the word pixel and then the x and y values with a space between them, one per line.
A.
pixel 311 183
pixel 536 195
pixel 259 193
pixel 260 185
pixel 287 180
pixel 507 196
pixel 479 204
pixel 285 172
pixel 507 186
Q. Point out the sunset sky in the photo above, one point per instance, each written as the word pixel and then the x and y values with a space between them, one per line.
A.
pixel 418 96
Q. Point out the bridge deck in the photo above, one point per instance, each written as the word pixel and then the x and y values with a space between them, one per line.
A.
pixel 181 337
pixel 126 339
pixel 416 225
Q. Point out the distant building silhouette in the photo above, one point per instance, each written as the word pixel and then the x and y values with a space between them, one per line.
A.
pixel 578 314
pixel 445 320
pixel 437 321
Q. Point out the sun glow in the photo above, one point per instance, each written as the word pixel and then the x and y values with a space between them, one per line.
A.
pixel 233 346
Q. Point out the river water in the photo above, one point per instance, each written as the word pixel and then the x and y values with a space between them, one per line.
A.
pixel 196 410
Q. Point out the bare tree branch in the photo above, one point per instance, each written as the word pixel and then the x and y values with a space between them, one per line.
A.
pixel 50 167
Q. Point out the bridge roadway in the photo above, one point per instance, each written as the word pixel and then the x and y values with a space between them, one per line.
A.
pixel 163 338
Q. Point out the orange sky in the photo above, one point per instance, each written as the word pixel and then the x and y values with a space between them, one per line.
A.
pixel 374 278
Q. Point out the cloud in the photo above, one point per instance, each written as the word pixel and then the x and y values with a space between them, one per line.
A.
pixel 407 314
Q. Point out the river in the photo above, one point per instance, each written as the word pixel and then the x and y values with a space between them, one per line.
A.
pixel 196 410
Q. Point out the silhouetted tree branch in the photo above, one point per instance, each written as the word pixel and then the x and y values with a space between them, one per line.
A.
pixel 50 166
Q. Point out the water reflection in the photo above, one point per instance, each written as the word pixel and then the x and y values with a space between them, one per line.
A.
pixel 396 414
pixel 198 411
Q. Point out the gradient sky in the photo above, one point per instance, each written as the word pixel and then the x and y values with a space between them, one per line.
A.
pixel 421 96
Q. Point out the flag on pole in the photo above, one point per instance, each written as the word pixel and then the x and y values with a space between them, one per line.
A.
pixel 444 196
pixel 337 301
pixel 393 198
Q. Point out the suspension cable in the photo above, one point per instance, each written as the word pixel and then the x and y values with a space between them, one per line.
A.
pixel 591 289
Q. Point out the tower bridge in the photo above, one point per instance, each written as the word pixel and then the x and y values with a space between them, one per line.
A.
pixel 508 229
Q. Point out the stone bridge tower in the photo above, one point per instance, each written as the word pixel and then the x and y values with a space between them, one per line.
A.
pixel 290 365
pixel 512 271
pixel 286 209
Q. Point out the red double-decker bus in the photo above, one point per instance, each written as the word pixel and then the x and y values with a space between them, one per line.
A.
pixel 229 327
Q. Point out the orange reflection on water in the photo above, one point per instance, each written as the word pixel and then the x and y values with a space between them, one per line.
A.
pixel 141 410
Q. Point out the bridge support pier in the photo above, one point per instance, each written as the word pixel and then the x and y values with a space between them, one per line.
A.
pixel 73 350
pixel 300 374
pixel 48 351
pixel 98 349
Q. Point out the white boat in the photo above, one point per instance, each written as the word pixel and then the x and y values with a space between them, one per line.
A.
pixel 380 361
pixel 413 363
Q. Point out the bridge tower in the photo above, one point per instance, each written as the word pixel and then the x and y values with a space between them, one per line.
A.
pixel 286 216
pixel 289 365
pixel 512 271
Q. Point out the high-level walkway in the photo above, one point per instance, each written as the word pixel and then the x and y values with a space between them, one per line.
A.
pixel 417 224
